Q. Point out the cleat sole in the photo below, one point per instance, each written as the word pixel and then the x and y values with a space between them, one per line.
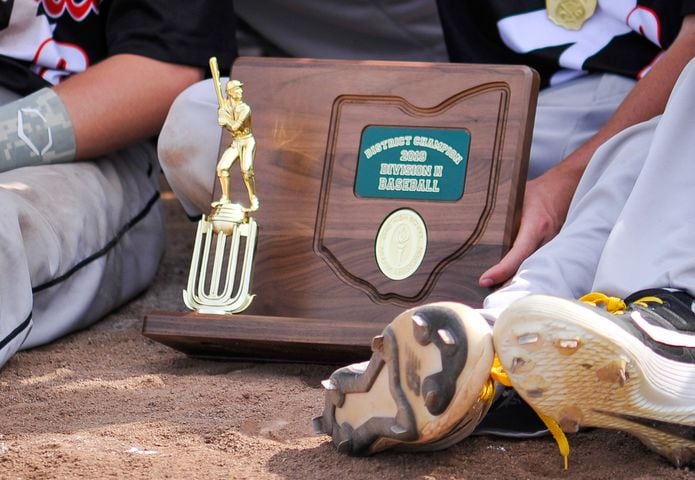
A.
pixel 423 381
pixel 583 370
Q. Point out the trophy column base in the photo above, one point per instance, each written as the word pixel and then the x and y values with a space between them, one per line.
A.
pixel 262 338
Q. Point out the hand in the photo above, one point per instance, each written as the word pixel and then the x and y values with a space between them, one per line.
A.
pixel 222 116
pixel 546 202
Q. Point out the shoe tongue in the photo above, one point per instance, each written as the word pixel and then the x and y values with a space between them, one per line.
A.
pixel 675 313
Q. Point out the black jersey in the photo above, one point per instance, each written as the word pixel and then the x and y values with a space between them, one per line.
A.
pixel 623 36
pixel 44 41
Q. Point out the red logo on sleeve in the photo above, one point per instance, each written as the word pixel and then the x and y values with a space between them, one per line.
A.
pixel 78 9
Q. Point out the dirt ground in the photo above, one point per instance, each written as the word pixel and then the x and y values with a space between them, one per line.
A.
pixel 109 403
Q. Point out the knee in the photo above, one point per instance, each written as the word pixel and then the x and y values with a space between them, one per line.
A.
pixel 190 134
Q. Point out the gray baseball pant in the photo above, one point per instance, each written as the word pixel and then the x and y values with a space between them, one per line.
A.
pixel 78 240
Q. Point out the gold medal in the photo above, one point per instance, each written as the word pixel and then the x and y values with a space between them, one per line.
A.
pixel 570 14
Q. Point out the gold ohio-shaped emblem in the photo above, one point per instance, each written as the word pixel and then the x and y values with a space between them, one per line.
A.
pixel 570 14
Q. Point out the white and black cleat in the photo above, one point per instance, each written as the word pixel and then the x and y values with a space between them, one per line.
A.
pixel 630 369
pixel 422 389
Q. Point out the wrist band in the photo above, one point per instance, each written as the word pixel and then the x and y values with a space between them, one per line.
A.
pixel 35 130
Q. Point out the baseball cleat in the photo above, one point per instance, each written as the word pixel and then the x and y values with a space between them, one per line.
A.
pixel 426 386
pixel 604 362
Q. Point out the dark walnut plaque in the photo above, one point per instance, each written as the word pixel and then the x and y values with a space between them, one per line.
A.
pixel 384 185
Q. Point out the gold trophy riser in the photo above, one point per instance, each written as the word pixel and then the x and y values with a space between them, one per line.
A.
pixel 219 297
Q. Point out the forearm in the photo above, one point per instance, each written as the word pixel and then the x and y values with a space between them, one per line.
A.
pixel 120 100
pixel 647 99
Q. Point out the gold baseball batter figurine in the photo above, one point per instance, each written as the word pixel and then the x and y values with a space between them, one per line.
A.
pixel 229 225
pixel 235 116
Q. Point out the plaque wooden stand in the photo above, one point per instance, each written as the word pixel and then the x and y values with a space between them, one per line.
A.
pixel 320 294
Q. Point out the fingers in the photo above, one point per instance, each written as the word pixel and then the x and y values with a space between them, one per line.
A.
pixel 525 244
pixel 539 223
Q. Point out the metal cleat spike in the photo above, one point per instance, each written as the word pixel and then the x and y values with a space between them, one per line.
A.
pixel 535 392
pixel 568 425
pixel 517 363
pixel 446 336
pixel 421 330
pixel 431 399
pixel 419 321
pixel 527 338
pixel 317 425
pixel 623 376
pixel 345 446
pixel 567 346
pixel 614 372
pixel 329 385
pixel 378 344
pixel 570 419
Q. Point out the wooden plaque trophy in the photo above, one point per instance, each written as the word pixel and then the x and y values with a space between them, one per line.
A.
pixel 384 185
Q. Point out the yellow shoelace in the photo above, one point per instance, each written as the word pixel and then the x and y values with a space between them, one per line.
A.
pixel 498 374
pixel 614 304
